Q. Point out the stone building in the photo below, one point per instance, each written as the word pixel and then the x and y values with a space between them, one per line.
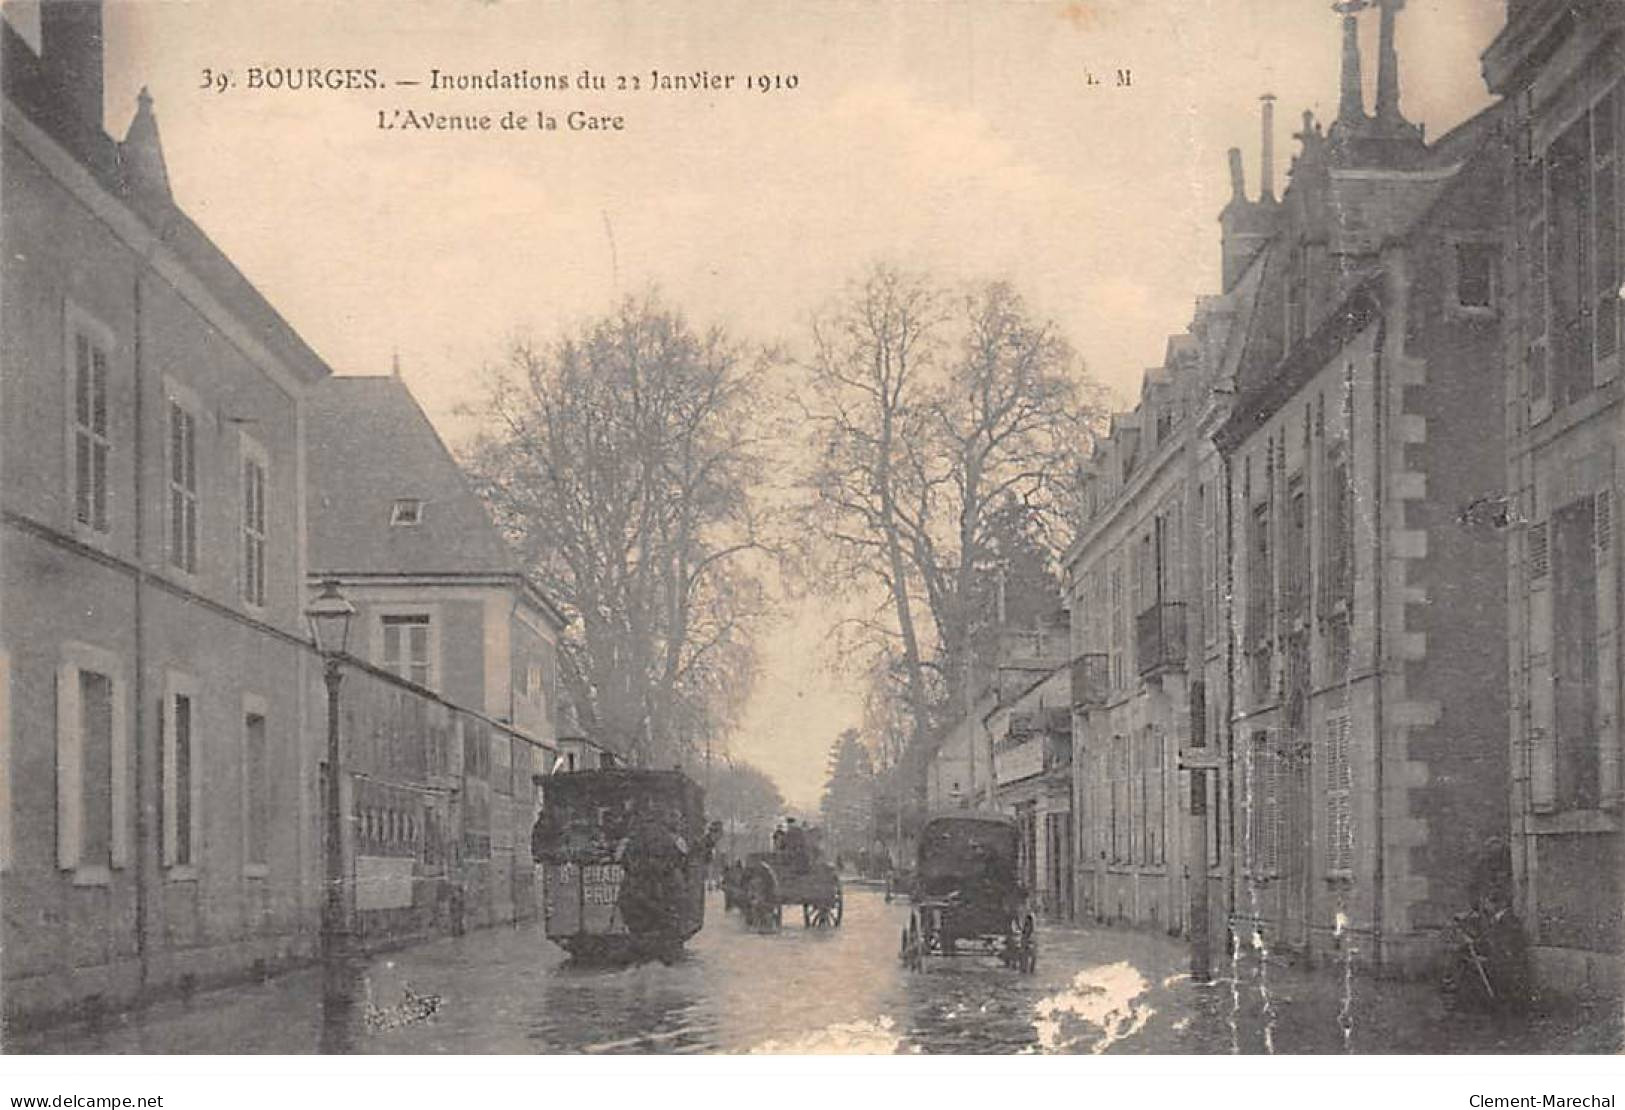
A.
pixel 442 604
pixel 1145 582
pixel 1360 453
pixel 1030 742
pixel 1560 67
pixel 157 801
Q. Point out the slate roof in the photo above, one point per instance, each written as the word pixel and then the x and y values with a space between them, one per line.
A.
pixel 370 444
pixel 134 172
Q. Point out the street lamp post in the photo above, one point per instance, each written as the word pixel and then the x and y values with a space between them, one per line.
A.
pixel 329 616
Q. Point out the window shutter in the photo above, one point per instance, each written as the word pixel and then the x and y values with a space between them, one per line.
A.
pixel 1606 228
pixel 120 846
pixel 1272 808
pixel 69 764
pixel 1540 723
pixel 1540 390
pixel 1540 561
pixel 1608 766
pixel 166 772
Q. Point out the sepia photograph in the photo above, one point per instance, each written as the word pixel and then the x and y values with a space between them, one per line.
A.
pixel 813 527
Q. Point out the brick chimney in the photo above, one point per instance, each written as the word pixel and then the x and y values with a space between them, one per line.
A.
pixel 71 51
pixel 1246 225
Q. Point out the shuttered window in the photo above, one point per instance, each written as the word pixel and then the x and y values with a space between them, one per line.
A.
pixel 92 764
pixel 1262 807
pixel 1339 788
pixel 254 529
pixel 183 499
pixel 90 429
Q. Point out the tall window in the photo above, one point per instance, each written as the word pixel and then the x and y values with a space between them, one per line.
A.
pixel 1153 796
pixel 1337 534
pixel 92 439
pixel 1118 773
pixel 1260 578
pixel 257 790
pixel 1260 601
pixel 1531 199
pixel 406 648
pixel 1295 576
pixel 254 529
pixel 1339 785
pixel 178 773
pixel 1145 574
pixel 92 802
pixel 182 487
pixel 1262 806
pixel 1119 629
pixel 1574 554
pixel 96 783
pixel 1215 827
pixel 1582 272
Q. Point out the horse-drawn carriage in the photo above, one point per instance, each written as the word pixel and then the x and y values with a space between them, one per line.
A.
pixel 967 899
pixel 624 855
pixel 793 874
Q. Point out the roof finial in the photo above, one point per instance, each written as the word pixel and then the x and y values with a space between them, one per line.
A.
pixel 1351 103
pixel 142 151
pixel 1238 182
pixel 395 363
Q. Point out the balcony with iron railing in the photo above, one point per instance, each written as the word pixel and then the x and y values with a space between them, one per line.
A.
pixel 1091 680
pixel 1159 638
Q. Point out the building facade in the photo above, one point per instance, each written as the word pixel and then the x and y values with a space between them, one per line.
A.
pixel 1030 739
pixel 157 802
pixel 1145 585
pixel 1560 67
pixel 1360 456
pixel 441 604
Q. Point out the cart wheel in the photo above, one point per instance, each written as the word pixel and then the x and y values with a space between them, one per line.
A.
pixel 761 911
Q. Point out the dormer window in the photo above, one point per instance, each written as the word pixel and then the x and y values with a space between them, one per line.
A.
pixel 406 512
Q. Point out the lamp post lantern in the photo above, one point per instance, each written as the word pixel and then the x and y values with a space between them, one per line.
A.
pixel 329 616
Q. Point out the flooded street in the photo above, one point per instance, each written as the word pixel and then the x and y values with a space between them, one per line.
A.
pixel 799 990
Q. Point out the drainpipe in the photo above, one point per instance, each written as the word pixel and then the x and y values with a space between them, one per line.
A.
pixel 1380 400
pixel 1230 700
pixel 142 830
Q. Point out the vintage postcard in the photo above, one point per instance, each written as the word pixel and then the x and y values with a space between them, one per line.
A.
pixel 981 527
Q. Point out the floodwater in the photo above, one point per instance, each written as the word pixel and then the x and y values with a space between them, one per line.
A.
pixel 801 990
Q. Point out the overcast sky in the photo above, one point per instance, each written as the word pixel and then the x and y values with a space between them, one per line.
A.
pixel 962 138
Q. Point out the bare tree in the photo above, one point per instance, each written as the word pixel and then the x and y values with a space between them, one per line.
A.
pixel 945 429
pixel 624 459
pixel 1009 425
pixel 872 356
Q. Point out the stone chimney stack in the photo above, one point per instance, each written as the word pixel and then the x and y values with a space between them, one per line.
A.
pixel 1267 148
pixel 1351 103
pixel 1388 65
pixel 1244 225
pixel 71 50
